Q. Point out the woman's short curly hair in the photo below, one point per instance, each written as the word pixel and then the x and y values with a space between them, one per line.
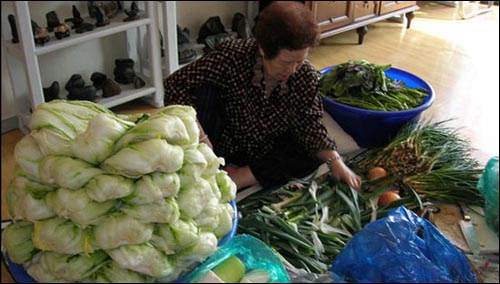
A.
pixel 286 25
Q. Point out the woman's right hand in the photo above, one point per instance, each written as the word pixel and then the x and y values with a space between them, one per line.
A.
pixel 341 171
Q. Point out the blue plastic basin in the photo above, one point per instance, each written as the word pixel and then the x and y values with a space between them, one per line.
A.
pixel 371 128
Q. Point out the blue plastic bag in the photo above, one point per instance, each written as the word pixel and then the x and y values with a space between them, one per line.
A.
pixel 402 248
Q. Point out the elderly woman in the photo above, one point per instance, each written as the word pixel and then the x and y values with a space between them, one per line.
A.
pixel 258 101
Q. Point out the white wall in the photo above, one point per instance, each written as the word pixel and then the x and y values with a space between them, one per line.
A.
pixel 99 55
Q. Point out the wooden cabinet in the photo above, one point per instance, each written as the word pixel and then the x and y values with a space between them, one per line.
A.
pixel 391 6
pixel 364 10
pixel 332 14
pixel 335 17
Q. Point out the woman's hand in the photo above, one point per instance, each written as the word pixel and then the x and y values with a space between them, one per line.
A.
pixel 340 171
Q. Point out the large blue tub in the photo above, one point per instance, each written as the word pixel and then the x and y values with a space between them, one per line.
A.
pixel 371 128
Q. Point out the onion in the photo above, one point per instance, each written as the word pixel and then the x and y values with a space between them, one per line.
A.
pixel 387 198
pixel 376 173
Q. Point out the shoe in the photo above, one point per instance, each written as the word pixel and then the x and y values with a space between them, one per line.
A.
pixel 52 20
pixel 182 35
pixel 76 81
pixel 78 24
pixel 133 13
pixel 51 93
pixel 53 24
pixel 212 26
pixel 187 55
pixel 87 93
pixel 77 19
pixel 241 26
pixel 96 11
pixel 124 71
pixel 98 79
pixel 212 41
pixel 62 31
pixel 40 35
pixel 185 50
pixel 13 28
pixel 138 82
pixel 110 88
pixel 85 27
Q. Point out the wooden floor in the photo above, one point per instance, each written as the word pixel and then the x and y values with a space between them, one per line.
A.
pixel 458 58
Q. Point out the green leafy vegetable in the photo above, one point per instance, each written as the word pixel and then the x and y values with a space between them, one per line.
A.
pixel 365 85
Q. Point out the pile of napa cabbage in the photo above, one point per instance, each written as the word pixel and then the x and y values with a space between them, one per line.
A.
pixel 99 197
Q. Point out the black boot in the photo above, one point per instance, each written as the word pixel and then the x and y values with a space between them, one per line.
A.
pixel 241 26
pixel 13 28
pixel 110 88
pixel 186 52
pixel 52 20
pixel 76 81
pixel 40 35
pixel 77 19
pixel 53 24
pixel 124 71
pixel 87 93
pixel 138 82
pixel 101 18
pixel 51 93
pixel 212 26
pixel 98 79
pixel 133 13
pixel 78 91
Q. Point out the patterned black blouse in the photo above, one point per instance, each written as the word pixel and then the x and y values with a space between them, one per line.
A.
pixel 254 119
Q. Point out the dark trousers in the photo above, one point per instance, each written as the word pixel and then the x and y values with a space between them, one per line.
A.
pixel 286 161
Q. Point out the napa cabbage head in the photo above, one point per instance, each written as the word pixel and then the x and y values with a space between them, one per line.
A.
pixel 191 256
pixel 143 258
pixel 67 172
pixel 120 229
pixel 60 235
pixel 175 236
pixel 159 125
pixel 56 123
pixel 16 240
pixel 112 272
pixel 165 211
pixel 109 187
pixel 77 206
pixel 213 162
pixel 226 185
pixel 153 188
pixel 194 197
pixel 71 268
pixel 226 217
pixel 188 115
pixel 193 167
pixel 97 142
pixel 28 156
pixel 144 158
pixel 26 199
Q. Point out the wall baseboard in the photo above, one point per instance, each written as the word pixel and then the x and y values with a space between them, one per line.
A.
pixel 9 124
